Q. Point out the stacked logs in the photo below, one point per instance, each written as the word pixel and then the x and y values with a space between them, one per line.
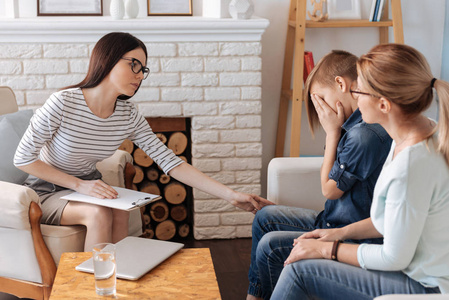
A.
pixel 168 217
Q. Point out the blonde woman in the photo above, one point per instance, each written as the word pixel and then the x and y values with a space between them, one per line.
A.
pixel 411 198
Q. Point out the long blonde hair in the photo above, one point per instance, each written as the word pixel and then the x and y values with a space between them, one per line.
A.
pixel 333 64
pixel 401 74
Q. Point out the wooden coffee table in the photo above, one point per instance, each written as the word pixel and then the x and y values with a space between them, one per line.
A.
pixel 188 274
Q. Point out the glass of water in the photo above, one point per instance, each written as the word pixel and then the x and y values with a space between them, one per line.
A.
pixel 104 268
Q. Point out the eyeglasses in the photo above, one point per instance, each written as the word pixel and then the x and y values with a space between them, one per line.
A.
pixel 356 93
pixel 136 67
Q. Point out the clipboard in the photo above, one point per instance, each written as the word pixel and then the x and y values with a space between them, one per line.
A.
pixel 127 199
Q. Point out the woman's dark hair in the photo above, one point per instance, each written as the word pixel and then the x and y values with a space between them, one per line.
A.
pixel 105 55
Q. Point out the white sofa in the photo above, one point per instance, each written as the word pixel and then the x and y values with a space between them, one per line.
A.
pixel 30 251
pixel 295 181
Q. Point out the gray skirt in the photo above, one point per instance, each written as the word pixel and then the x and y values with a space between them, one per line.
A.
pixel 49 194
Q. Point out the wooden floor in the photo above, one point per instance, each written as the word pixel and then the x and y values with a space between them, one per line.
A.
pixel 231 260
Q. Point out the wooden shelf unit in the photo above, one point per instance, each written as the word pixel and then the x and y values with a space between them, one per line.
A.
pixel 294 47
pixel 344 23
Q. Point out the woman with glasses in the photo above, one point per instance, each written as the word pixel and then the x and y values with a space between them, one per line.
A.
pixel 86 123
pixel 353 158
pixel 411 198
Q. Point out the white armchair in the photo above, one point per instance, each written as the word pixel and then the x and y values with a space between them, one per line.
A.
pixel 295 181
pixel 30 251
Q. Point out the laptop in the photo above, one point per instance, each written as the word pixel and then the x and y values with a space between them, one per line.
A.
pixel 137 256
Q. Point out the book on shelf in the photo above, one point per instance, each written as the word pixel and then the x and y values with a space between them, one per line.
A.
pixel 373 9
pixel 376 11
pixel 127 199
pixel 380 10
pixel 308 64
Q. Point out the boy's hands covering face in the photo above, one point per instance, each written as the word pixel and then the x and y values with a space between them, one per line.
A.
pixel 331 120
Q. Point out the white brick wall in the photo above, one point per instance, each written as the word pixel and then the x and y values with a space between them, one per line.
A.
pixel 217 84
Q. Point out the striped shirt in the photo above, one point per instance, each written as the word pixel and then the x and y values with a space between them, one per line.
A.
pixel 65 134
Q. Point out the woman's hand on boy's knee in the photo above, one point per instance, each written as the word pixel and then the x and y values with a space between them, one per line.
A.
pixel 331 120
pixel 309 249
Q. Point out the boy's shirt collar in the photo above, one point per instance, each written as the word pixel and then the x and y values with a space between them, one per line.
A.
pixel 354 119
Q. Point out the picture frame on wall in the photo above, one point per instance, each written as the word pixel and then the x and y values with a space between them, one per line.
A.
pixel 344 9
pixel 169 7
pixel 69 7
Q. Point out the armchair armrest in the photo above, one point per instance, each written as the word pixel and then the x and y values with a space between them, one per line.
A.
pixel 15 203
pixel 28 258
pixel 113 168
pixel 295 181
pixel 118 170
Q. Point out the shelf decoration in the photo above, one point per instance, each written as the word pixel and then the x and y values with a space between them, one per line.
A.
pixel 241 9
pixel 117 9
pixel 69 8
pixel 317 7
pixel 344 9
pixel 169 7
pixel 132 8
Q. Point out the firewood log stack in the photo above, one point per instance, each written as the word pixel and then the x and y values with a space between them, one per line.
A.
pixel 169 217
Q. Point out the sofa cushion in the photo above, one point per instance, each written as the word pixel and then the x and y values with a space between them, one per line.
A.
pixel 12 128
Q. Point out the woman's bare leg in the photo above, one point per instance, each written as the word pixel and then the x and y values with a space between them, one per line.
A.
pixel 97 219
pixel 120 224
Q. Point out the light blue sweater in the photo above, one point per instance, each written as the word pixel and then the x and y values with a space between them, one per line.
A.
pixel 411 209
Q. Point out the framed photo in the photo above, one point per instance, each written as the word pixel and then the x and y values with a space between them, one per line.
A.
pixel 69 7
pixel 344 9
pixel 169 7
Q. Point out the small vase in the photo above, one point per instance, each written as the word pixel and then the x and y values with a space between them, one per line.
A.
pixel 132 8
pixel 241 9
pixel 117 9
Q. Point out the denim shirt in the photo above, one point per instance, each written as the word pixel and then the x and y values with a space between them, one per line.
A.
pixel 361 153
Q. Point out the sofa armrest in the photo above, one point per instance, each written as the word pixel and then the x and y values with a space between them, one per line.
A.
pixel 295 181
pixel 112 168
pixel 15 201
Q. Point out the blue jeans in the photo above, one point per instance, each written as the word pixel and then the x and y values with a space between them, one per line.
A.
pixel 327 279
pixel 288 223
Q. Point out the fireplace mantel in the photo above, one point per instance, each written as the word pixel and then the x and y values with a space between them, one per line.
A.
pixel 151 29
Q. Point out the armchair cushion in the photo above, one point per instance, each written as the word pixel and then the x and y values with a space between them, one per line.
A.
pixel 15 202
pixel 12 128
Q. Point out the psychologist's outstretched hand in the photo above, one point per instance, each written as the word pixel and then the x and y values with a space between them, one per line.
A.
pixel 249 202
